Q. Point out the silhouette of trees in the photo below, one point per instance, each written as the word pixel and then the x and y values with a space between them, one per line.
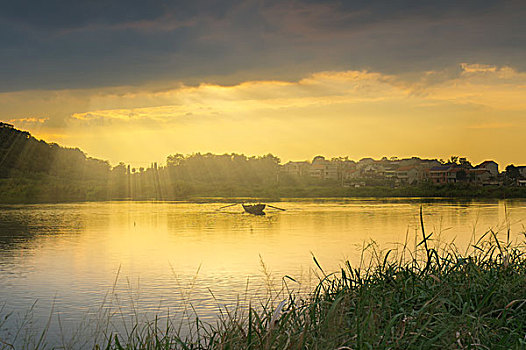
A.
pixel 23 155
pixel 34 170
pixel 221 169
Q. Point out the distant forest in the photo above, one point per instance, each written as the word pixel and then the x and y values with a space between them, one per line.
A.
pixel 37 171
pixel 34 171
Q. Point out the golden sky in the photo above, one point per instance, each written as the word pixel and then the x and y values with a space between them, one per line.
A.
pixel 135 81
pixel 469 109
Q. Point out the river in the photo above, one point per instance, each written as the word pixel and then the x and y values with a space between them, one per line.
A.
pixel 85 261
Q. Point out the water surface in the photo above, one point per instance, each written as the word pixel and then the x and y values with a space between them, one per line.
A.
pixel 146 258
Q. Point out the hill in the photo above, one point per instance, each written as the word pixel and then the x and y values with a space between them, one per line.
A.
pixel 33 170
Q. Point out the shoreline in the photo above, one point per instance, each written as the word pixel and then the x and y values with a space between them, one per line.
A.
pixel 239 200
pixel 521 194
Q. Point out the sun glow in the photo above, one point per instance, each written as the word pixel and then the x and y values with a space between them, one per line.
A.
pixel 477 110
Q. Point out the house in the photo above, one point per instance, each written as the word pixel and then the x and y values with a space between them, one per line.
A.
pixel 490 166
pixel 456 174
pixel 349 174
pixel 446 174
pixel 480 175
pixel 438 174
pixel 389 172
pixel 344 166
pixel 429 163
pixel 409 161
pixel 364 162
pixel 374 170
pixel 323 169
pixel 296 168
pixel 409 174
pixel 522 170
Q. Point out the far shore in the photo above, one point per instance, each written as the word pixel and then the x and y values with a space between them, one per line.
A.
pixel 320 193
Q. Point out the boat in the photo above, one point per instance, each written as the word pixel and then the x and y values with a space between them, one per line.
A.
pixel 254 209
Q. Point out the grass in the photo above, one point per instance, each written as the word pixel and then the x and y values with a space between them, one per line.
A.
pixel 422 297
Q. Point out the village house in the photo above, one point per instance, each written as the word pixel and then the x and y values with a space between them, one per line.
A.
pixel 409 174
pixel 350 174
pixel 323 169
pixel 429 163
pixel 480 176
pixel 409 171
pixel 374 170
pixel 296 168
pixel 344 166
pixel 446 174
pixel 389 172
pixel 364 162
pixel 490 166
pixel 438 174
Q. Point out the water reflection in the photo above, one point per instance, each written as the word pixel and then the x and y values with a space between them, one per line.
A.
pixel 155 256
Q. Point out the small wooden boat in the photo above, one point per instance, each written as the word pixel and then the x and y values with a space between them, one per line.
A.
pixel 254 209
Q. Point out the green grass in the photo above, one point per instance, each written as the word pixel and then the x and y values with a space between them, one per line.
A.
pixel 424 297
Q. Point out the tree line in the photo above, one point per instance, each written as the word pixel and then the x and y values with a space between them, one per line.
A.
pixel 33 170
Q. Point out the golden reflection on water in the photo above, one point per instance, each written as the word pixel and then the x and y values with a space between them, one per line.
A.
pixel 164 253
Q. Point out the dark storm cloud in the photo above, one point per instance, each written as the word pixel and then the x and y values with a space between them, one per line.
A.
pixel 70 44
pixel 63 14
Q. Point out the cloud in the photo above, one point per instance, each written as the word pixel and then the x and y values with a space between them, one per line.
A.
pixel 480 86
pixel 497 88
pixel 29 122
pixel 92 44
pixel 211 101
pixel 59 15
pixel 472 108
pixel 478 68
pixel 486 86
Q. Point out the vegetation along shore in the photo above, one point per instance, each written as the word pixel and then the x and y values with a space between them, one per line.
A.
pixel 33 171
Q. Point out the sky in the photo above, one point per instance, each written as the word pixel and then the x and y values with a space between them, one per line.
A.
pixel 135 81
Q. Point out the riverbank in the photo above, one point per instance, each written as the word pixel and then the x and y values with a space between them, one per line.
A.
pixel 55 190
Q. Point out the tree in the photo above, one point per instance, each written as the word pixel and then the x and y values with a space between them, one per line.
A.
pixel 175 159
pixel 464 162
